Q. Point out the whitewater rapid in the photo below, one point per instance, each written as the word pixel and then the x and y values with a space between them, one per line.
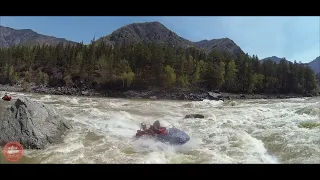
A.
pixel 241 131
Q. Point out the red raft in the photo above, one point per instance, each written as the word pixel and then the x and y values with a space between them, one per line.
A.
pixel 6 98
pixel 172 136
pixel 149 133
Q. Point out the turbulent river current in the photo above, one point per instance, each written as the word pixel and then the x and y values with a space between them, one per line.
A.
pixel 240 131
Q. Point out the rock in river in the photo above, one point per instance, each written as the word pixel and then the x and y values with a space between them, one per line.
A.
pixel 34 124
pixel 194 116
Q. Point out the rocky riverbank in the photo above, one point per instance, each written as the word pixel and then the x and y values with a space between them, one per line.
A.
pixel 177 94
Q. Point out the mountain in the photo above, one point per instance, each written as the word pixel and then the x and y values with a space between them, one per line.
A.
pixel 273 58
pixel 223 44
pixel 315 65
pixel 158 33
pixel 147 32
pixel 10 37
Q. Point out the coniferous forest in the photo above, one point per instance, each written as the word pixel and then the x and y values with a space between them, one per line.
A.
pixel 143 66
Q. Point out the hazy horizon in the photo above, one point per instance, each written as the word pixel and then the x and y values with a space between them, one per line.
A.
pixel 295 38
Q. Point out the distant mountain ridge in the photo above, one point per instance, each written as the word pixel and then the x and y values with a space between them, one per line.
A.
pixel 224 44
pixel 158 33
pixel 147 32
pixel 314 65
pixel 273 58
pixel 11 37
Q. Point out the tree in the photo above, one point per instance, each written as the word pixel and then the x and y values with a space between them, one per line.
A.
pixel 169 76
pixel 257 82
pixel 143 65
pixel 231 76
pixel 124 73
pixel 196 75
pixel 12 75
pixel 220 75
pixel 42 78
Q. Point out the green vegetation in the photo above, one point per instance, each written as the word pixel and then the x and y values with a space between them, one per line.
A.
pixel 142 66
pixel 309 125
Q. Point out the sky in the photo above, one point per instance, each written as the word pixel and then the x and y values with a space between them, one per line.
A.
pixel 295 38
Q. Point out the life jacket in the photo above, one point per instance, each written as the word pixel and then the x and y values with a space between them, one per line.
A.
pixel 150 132
pixel 163 131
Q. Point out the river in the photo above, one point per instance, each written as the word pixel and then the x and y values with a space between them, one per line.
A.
pixel 241 131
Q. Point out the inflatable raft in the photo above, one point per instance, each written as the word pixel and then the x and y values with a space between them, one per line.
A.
pixel 6 98
pixel 172 136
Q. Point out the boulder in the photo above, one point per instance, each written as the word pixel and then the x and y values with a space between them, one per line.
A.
pixel 194 116
pixel 153 97
pixel 34 124
pixel 215 96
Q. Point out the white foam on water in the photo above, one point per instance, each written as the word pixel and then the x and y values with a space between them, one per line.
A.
pixel 46 98
pixel 241 131
pixel 71 100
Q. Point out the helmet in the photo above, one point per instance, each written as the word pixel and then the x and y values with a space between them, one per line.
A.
pixel 156 124
pixel 143 126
